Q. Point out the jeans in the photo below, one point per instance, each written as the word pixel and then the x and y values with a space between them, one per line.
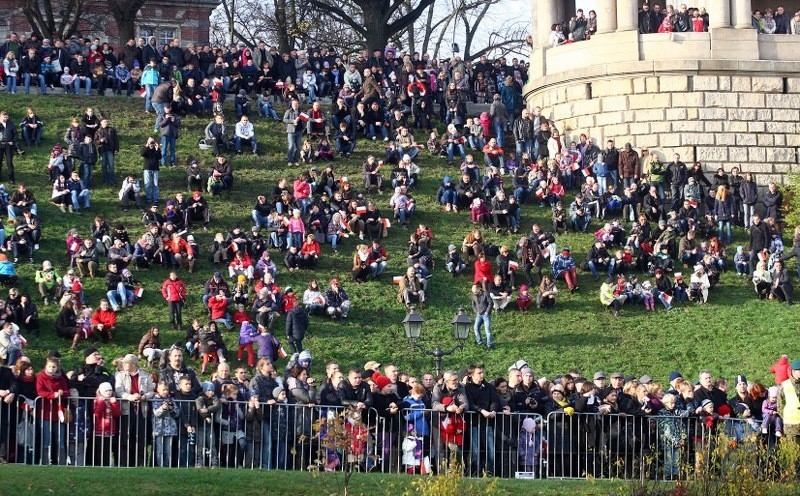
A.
pixel 373 134
pixel 580 223
pixel 476 143
pixel 40 78
pixel 749 211
pixel 32 136
pixel 295 140
pixel 403 215
pixel 87 83
pixel 162 451
pixel 524 146
pixel 125 296
pixel 500 134
pixel 151 186
pixel 239 140
pixel 724 226
pixel 148 97
pixel 268 111
pixel 614 177
pixel 345 147
pixel 128 85
pixel 377 268
pixel 159 108
pixel 659 190
pixel 11 83
pixel 451 149
pixel 487 328
pixel 167 150
pixel 333 240
pixel 107 163
pixel 81 200
pixel 411 152
pixel 258 219
pixel 312 94
pixel 482 438
pixel 602 183
pixel 86 173
pixel 449 197
pixel 266 446
pixel 593 268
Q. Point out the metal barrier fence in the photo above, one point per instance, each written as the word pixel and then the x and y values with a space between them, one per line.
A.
pixel 207 433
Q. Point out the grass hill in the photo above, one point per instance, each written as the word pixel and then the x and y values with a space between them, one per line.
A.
pixel 734 333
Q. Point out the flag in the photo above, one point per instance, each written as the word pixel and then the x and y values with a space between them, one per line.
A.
pixel 512 265
pixel 386 223
pixel 285 222
pixel 361 210
pixel 143 92
pixel 586 172
pixel 397 279
pixel 667 298
pixel 540 193
pixel 576 167
pixel 282 353
pixel 139 291
pixel 303 117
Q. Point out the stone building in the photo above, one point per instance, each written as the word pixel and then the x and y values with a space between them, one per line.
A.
pixel 727 97
pixel 165 19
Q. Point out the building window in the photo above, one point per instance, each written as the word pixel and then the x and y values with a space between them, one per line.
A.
pixel 146 32
pixel 165 36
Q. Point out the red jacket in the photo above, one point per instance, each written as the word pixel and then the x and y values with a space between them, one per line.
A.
pixel 46 387
pixel 311 249
pixel 178 247
pixel 483 270
pixel 173 291
pixel 106 414
pixel 106 317
pixel 241 263
pixel 218 307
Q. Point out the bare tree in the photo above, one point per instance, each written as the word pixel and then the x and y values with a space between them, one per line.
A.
pixel 124 13
pixel 375 21
pixel 54 19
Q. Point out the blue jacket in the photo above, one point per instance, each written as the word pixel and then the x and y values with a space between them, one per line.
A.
pixel 416 415
pixel 562 263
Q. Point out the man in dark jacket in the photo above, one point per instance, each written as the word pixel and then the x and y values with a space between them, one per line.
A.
pixel 353 392
pixel 296 326
pixel 781 286
pixel 31 68
pixel 647 20
pixel 612 161
pixel 483 403
pixel 79 69
pixel 677 174
pixel 107 143
pixel 599 258
pixel 707 391
pixel 8 144
pixel 759 240
pixel 151 154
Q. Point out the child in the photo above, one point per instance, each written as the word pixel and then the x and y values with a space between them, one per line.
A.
pixel 307 152
pixel 769 409
pixel 647 296
pixel 150 346
pixel 194 177
pixel 66 81
pixel 232 435
pixel 528 446
pixel 479 212
pixel 324 151
pixel 207 406
pixel 106 416
pixel 672 431
pixel 242 104
pixel 680 288
pixel 434 146
pixel 455 266
pixel 84 323
pixel 247 335
pixel 186 400
pixel 278 421
pixel 742 261
pixel 241 290
pixel 218 96
pixel 268 345
pixel 165 412
pixel 524 300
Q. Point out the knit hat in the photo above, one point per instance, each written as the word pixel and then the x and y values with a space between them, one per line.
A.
pixel 277 392
pixel 372 365
pixel 526 371
pixel 599 375
pixel 208 386
pixel 130 358
pixel 304 355
pixel 451 247
pixel 557 387
pixel 89 351
pixel 106 386
pixel 740 378
pixel 795 364
pixel 46 265
pixel 645 379
pixel 773 391
pixel 705 403
pixel 528 424
pixel 674 375
pixel 136 63
pixel 380 380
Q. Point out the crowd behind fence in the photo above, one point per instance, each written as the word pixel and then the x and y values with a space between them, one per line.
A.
pixel 165 432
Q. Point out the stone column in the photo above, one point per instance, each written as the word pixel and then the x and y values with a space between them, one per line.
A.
pixel 627 15
pixel 545 17
pixel 741 14
pixel 719 14
pixel 606 16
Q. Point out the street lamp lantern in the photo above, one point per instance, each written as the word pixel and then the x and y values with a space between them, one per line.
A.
pixel 461 326
pixel 413 324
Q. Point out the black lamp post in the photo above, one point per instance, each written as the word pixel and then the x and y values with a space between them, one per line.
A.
pixel 413 327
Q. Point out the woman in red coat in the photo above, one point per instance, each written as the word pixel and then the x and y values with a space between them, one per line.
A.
pixel 106 418
pixel 311 252
pixel 483 271
pixel 174 291
pixel 52 387
pixel 104 321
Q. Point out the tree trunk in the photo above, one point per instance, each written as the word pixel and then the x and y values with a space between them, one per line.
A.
pixel 124 14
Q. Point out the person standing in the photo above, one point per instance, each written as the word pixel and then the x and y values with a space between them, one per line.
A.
pixel 152 157
pixel 168 125
pixel 789 403
pixel 8 144
pixel 483 402
pixel 296 327
pixel 294 133
pixel 174 291
pixel 107 143
pixel 482 305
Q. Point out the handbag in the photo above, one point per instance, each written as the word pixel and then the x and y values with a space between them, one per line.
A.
pixel 26 433
pixel 65 415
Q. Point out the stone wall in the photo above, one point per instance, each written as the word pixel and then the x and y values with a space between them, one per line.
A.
pixel 749 120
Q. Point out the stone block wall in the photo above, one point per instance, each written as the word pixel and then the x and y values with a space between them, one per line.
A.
pixel 749 120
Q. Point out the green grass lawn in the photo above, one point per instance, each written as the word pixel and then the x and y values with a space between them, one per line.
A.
pixel 19 480
pixel 733 334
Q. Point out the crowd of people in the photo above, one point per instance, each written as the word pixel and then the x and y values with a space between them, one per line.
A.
pixel 656 218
